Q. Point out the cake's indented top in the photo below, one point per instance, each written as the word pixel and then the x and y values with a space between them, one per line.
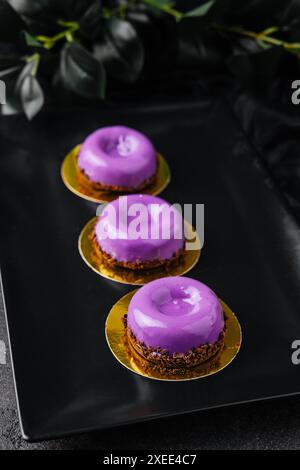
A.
pixel 176 314
pixel 117 156
pixel 140 228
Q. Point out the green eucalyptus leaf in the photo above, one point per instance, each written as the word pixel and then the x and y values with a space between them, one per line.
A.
pixel 263 45
pixel 42 16
pixel 245 45
pixel 32 96
pixel 31 41
pixel 91 21
pixel 28 89
pixel 36 13
pixel 121 51
pixel 201 10
pixel 81 72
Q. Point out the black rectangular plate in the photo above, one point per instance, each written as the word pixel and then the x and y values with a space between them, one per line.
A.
pixel 67 380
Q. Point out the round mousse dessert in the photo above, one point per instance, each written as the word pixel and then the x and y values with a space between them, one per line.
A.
pixel 138 232
pixel 118 159
pixel 175 322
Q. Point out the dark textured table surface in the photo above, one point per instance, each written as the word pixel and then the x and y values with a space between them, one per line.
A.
pixel 273 424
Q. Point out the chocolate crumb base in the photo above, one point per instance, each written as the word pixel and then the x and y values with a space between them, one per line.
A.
pixel 90 187
pixel 103 257
pixel 160 371
pixel 163 361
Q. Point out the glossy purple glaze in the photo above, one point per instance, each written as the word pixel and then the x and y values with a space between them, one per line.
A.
pixel 112 229
pixel 175 313
pixel 117 156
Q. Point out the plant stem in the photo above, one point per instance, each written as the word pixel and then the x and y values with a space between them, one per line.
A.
pixel 257 36
pixel 36 57
pixel 264 36
pixel 166 8
pixel 49 42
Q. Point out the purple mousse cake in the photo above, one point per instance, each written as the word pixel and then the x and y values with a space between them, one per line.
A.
pixel 175 322
pixel 138 232
pixel 118 159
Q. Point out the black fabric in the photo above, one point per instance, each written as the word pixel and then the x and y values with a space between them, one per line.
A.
pixel 272 127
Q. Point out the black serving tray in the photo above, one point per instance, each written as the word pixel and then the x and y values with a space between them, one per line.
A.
pixel 67 380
